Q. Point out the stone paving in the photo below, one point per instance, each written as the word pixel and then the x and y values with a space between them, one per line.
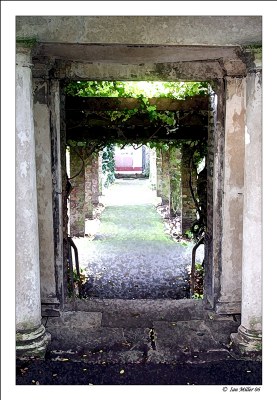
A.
pixel 130 256
pixel 136 312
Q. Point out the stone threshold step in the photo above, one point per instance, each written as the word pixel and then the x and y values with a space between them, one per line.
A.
pixel 138 357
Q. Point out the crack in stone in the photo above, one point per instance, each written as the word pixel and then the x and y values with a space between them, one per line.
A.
pixel 152 338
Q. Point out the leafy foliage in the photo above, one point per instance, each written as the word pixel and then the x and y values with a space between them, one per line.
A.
pixel 173 90
pixel 108 165
pixel 78 282
pixel 198 285
pixel 142 91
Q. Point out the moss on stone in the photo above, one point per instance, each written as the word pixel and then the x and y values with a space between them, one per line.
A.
pixel 26 41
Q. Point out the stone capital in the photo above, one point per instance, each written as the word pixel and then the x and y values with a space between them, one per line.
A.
pixel 23 56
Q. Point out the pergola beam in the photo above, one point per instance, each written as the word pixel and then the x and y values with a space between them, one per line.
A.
pixel 195 103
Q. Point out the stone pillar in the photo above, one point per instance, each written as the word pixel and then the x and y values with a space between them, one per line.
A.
pixel 159 172
pixel 77 195
pixel 215 180
pixel 209 265
pixel 91 184
pixel 229 299
pixel 175 182
pixel 248 339
pixel 152 169
pixel 100 173
pixel 88 188
pixel 31 338
pixel 58 171
pixel 95 179
pixel 188 213
pixel 61 259
pixel 165 183
pixel 44 194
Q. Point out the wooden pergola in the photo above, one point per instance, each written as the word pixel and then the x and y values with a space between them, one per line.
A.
pixel 86 120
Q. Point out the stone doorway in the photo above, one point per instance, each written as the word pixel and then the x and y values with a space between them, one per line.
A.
pixel 221 291
pixel 171 166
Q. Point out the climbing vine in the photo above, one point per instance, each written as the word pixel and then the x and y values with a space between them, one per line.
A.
pixel 198 154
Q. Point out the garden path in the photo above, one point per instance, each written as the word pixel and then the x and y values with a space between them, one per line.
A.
pixel 131 256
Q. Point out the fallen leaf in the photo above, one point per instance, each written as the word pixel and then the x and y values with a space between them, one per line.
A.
pixel 135 315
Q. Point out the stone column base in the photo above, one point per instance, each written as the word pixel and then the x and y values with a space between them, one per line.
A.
pixel 32 343
pixel 247 344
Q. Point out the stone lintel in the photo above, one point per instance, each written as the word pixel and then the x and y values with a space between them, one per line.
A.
pixel 178 71
pixel 247 344
pixel 32 343
pixel 120 53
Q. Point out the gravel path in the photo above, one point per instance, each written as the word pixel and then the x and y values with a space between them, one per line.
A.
pixel 130 256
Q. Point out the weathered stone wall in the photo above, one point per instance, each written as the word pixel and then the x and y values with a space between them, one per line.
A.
pixel 159 172
pixel 208 277
pixel 165 178
pixel 166 30
pixel 95 179
pixel 91 184
pixel 218 167
pixel 57 179
pixel 88 209
pixel 175 205
pixel 100 173
pixel 65 190
pixel 232 210
pixel 77 195
pixel 153 169
pixel 44 190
